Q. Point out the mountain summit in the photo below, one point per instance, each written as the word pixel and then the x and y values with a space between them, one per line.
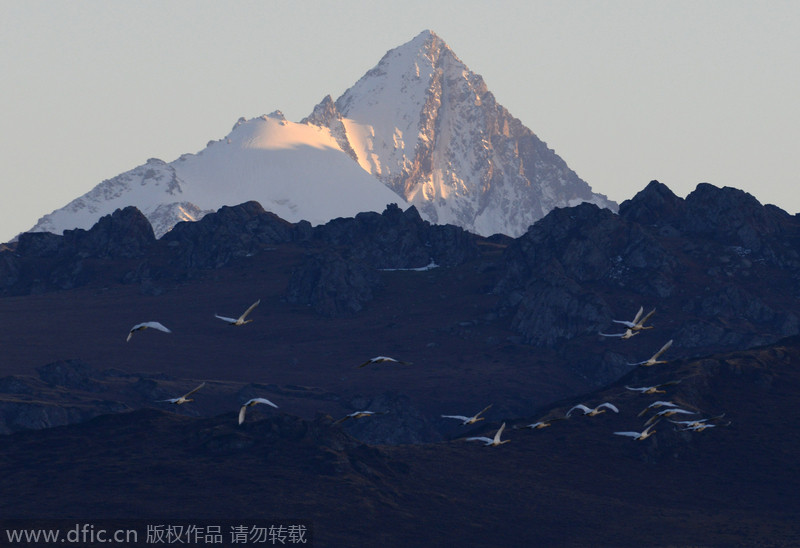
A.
pixel 430 129
pixel 420 123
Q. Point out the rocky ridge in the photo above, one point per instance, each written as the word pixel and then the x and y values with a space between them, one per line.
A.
pixel 699 261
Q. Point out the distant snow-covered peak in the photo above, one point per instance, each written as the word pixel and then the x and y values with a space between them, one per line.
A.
pixel 419 128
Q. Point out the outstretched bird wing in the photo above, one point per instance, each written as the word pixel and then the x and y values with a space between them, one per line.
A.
pixel 145 325
pixel 610 406
pixel 459 417
pixel 195 390
pixel 579 406
pixel 252 306
pixel 261 400
pixel 484 410
pixel 663 349
pixel 481 438
pixel 641 322
pixel 229 320
pixel 498 433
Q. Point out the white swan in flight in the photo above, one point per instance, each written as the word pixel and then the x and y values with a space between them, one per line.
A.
pixel 359 415
pixel 541 424
pixel 183 399
pixel 250 403
pixel 627 335
pixel 639 436
pixel 241 319
pixel 492 441
pixel 469 420
pixel 698 425
pixel 668 413
pixel 382 359
pixel 656 405
pixel 145 325
pixel 596 411
pixel 654 359
pixel 653 389
pixel 638 322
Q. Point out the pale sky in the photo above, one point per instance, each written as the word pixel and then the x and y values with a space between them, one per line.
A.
pixel 624 91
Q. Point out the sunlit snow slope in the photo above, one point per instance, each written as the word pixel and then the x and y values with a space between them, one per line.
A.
pixel 296 171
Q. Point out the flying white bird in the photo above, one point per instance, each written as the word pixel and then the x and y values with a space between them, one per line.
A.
pixel 646 433
pixel 241 319
pixel 638 322
pixel 656 405
pixel 541 424
pixel 669 413
pixel 653 389
pixel 699 424
pixel 183 399
pixel 654 359
pixel 145 325
pixel 382 359
pixel 596 411
pixel 627 335
pixel 250 403
pixel 492 441
pixel 699 427
pixel 469 420
pixel 359 415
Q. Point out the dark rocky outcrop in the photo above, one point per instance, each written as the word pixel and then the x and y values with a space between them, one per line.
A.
pixel 397 421
pixel 44 261
pixel 73 374
pixel 397 239
pixel 232 232
pixel 700 261
pixel 124 234
pixel 332 285
pixel 9 270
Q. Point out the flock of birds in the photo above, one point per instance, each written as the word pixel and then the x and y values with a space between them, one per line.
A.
pixel 632 328
pixel 180 400
pixel 670 409
pixel 242 320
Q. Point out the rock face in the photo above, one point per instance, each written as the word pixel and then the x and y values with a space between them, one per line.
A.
pixel 236 231
pixel 701 262
pixel 341 279
pixel 124 234
pixel 43 261
pixel 431 130
pixel 397 239
pixel 396 422
pixel 332 285
pixel 73 374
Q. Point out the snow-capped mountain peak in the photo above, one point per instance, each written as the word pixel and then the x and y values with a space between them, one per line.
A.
pixel 297 171
pixel 429 128
pixel 418 128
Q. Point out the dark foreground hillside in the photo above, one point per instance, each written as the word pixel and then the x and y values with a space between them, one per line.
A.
pixel 512 324
pixel 572 484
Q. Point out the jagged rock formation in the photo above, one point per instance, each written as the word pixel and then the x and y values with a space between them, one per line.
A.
pixel 430 129
pixel 332 285
pixel 700 261
pixel 237 231
pixel 397 239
